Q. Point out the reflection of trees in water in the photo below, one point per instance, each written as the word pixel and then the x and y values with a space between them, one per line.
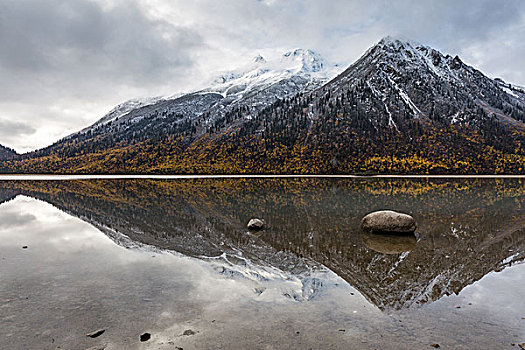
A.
pixel 7 194
pixel 467 227
pixel 389 243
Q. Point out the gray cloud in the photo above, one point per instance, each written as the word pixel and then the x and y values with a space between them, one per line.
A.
pixel 12 131
pixel 64 63
pixel 83 38
pixel 8 127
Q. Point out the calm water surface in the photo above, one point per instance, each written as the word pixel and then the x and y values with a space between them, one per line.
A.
pixel 167 256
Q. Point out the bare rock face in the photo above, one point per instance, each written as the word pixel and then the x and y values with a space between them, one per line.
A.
pixel 388 221
pixel 256 224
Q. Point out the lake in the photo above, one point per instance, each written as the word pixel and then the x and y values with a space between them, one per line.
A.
pixel 173 258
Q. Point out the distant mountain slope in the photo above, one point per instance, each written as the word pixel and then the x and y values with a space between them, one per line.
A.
pixel 7 153
pixel 248 88
pixel 401 108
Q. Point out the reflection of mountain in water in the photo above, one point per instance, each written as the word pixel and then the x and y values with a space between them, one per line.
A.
pixel 7 194
pixel 467 228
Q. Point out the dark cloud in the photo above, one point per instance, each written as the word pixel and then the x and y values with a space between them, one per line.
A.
pixel 82 38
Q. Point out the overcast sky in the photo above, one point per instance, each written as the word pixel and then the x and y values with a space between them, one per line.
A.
pixel 65 63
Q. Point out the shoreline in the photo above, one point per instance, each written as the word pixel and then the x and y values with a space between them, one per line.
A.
pixel 49 177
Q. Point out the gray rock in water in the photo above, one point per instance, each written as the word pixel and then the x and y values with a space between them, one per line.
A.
pixel 255 224
pixel 388 221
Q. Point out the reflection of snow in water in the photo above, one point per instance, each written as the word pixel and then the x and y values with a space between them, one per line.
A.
pixel 268 282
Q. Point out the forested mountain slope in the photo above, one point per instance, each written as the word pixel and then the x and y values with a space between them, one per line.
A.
pixel 7 153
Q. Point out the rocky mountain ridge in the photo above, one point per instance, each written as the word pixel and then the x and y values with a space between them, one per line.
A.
pixel 408 80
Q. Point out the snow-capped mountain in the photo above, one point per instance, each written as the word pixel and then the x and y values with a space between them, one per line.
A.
pixel 404 80
pixel 260 74
pixel 396 80
pixel 252 86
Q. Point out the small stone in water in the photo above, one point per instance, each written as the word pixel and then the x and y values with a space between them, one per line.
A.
pixel 24 247
pixel 96 333
pixel 255 224
pixel 188 332
pixel 145 337
pixel 435 346
pixel 98 347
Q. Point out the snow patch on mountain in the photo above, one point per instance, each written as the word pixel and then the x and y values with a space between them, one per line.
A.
pixel 126 107
pixel 261 73
pixel 517 92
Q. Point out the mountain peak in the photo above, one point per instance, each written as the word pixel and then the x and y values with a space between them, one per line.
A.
pixel 416 55
pixel 419 82
pixel 310 61
pixel 398 41
pixel 302 62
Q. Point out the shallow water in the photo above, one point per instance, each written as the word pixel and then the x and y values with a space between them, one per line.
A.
pixel 164 256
